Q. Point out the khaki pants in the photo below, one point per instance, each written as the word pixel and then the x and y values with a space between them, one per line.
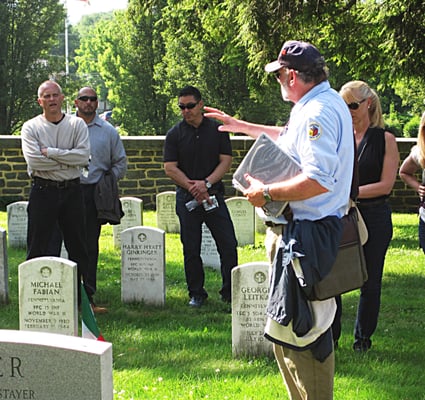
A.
pixel 272 241
pixel 305 377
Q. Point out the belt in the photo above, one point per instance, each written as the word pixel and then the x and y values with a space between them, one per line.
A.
pixel 56 184
pixel 271 224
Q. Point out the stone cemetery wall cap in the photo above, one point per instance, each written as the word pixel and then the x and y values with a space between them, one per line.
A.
pixel 301 56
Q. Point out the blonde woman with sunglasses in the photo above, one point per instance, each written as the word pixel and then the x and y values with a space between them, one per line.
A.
pixel 378 161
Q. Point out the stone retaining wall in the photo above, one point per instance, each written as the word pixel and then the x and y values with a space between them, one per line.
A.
pixel 145 176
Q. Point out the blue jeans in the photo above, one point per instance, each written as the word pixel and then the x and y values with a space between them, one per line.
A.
pixel 222 230
pixel 380 230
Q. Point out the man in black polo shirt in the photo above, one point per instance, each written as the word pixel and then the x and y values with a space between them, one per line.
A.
pixel 196 157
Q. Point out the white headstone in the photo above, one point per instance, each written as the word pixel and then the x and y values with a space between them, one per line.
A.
pixel 46 366
pixel 17 221
pixel 209 252
pixel 4 271
pixel 48 296
pixel 260 226
pixel 166 217
pixel 250 288
pixel 143 265
pixel 242 213
pixel 133 210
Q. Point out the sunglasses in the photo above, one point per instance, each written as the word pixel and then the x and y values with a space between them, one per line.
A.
pixel 189 106
pixel 278 74
pixel 355 104
pixel 87 98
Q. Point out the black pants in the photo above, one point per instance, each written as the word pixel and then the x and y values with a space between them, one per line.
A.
pixel 220 224
pixel 51 207
pixel 93 229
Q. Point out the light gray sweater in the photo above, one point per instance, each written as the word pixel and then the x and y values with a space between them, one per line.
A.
pixel 68 147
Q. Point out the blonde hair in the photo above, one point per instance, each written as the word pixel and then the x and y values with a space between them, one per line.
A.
pixel 356 91
pixel 46 84
pixel 421 141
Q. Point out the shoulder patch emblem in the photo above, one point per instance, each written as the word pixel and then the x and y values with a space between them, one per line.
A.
pixel 314 130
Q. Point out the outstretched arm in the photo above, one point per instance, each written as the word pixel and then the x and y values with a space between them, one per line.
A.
pixel 232 124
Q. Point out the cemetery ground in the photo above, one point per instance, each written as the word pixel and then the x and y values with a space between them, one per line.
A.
pixel 174 352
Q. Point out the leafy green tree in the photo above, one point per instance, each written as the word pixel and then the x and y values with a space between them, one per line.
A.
pixel 203 49
pixel 221 46
pixel 381 42
pixel 28 31
pixel 122 61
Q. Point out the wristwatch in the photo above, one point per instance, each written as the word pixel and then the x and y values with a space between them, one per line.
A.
pixel 208 184
pixel 266 194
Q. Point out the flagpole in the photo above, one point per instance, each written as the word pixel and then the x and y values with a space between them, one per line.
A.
pixel 66 51
pixel 66 42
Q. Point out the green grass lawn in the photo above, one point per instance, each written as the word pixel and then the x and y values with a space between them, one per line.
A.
pixel 174 352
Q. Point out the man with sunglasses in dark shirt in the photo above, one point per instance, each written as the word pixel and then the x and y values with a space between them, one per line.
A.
pixel 196 157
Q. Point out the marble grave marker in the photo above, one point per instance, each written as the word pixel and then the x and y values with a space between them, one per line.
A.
pixel 47 366
pixel 166 217
pixel 250 288
pixel 48 296
pixel 143 265
pixel 133 216
pixel 17 221
pixel 242 213
pixel 209 252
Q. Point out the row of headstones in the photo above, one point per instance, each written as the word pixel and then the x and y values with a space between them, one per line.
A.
pixel 47 303
pixel 243 215
pixel 38 364
pixel 47 292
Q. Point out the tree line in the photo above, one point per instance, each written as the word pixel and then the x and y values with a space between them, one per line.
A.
pixel 138 59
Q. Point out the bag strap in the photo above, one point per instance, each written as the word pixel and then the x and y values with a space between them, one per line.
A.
pixel 354 191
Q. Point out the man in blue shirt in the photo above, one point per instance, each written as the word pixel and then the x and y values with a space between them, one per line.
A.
pixel 107 154
pixel 319 136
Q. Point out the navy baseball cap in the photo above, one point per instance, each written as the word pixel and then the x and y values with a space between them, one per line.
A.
pixel 301 56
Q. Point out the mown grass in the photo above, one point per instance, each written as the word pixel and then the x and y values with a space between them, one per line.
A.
pixel 174 352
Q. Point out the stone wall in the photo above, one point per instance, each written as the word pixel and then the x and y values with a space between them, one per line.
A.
pixel 145 176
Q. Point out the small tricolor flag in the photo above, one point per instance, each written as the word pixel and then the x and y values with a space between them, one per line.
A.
pixel 89 328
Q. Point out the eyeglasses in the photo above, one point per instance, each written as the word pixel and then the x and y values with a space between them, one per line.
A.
pixel 355 104
pixel 87 98
pixel 189 106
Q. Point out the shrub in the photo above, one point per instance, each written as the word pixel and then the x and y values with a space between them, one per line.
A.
pixel 410 129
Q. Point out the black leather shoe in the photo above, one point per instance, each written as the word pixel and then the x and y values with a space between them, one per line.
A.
pixel 362 345
pixel 196 302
